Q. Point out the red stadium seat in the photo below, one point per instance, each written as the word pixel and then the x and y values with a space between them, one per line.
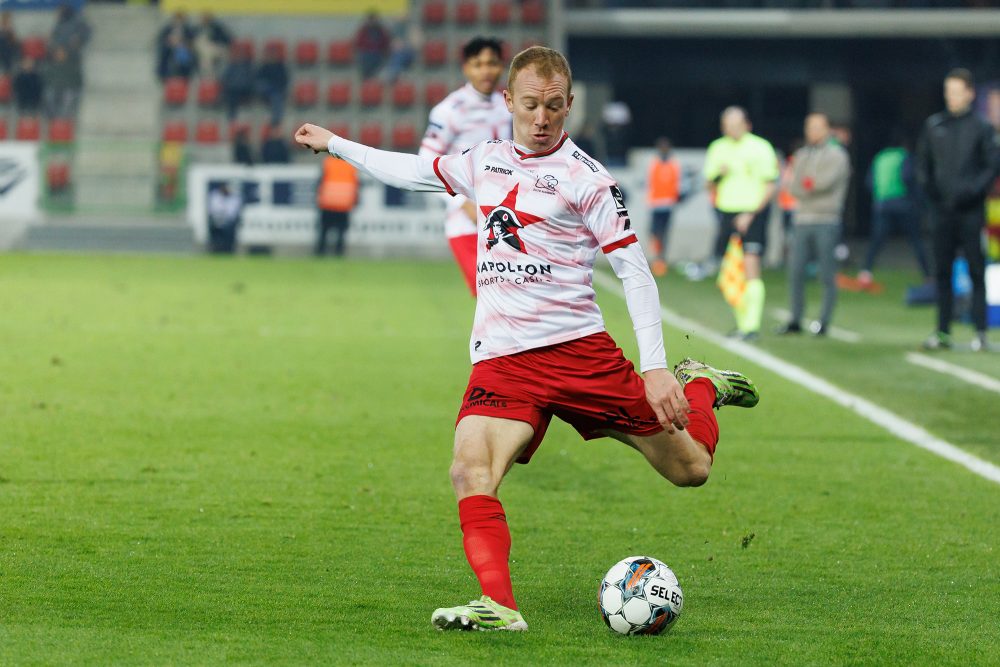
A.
pixel 57 176
pixel 434 12
pixel 404 136
pixel 467 12
pixel 175 91
pixel 372 91
pixel 434 92
pixel 306 93
pixel 505 53
pixel 209 91
pixel 175 131
pixel 435 52
pixel 307 53
pixel 3 129
pixel 371 134
pixel 340 53
pixel 341 129
pixel 28 129
pixel 242 47
pixel 207 132
pixel 533 12
pixel 236 127
pixel 404 94
pixel 61 131
pixel 276 46
pixel 338 94
pixel 34 47
pixel 499 12
pixel 6 88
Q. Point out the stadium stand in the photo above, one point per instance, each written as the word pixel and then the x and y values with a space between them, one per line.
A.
pixel 61 131
pixel 175 131
pixel 34 47
pixel 209 93
pixel 3 129
pixel 307 53
pixel 5 89
pixel 29 128
pixel 338 94
pixel 340 53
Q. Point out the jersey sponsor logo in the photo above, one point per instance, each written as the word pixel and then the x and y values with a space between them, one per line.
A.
pixel 546 184
pixel 498 170
pixel 504 222
pixel 586 160
pixel 616 192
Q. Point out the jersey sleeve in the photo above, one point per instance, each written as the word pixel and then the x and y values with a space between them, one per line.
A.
pixel 602 206
pixel 711 169
pixel 457 172
pixel 439 135
pixel 769 163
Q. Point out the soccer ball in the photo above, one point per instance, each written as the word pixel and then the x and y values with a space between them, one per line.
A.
pixel 640 596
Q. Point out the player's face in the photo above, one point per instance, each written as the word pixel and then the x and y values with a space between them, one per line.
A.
pixel 483 71
pixel 958 96
pixel 539 107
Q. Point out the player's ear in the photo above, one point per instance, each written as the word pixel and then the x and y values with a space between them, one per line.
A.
pixel 569 103
pixel 508 100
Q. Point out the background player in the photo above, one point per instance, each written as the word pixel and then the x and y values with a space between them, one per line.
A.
pixel 473 113
pixel 539 345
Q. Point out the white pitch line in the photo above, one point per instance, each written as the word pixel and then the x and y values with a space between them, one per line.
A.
pixel 970 376
pixel 834 332
pixel 879 416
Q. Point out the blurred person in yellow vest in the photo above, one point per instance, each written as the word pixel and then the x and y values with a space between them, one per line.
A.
pixel 663 193
pixel 336 197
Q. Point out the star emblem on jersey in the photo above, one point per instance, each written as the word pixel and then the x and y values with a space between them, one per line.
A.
pixel 504 222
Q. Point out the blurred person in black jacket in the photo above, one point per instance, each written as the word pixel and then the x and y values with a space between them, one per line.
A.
pixel 28 86
pixel 274 149
pixel 10 47
pixel 272 83
pixel 957 160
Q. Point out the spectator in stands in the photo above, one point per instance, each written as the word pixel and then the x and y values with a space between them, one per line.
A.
pixel 336 196
pixel 274 149
pixel 406 41
pixel 237 81
pixel 242 152
pixel 272 83
pixel 63 82
pixel 28 86
pixel 177 31
pixel 177 58
pixel 10 47
pixel 225 208
pixel 71 31
pixel 372 43
pixel 211 43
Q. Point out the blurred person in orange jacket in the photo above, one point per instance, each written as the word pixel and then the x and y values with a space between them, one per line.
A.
pixel 336 196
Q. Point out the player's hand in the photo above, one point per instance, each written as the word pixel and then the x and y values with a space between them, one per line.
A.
pixel 470 209
pixel 313 136
pixel 742 222
pixel 723 169
pixel 666 396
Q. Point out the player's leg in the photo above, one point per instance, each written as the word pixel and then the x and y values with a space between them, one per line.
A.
pixel 827 237
pixel 971 240
pixel 485 449
pixel 945 241
pixel 464 249
pixel 754 245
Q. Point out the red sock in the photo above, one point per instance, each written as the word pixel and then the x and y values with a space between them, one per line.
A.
pixel 702 424
pixel 486 539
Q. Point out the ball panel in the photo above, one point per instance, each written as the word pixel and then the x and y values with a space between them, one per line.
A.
pixel 619 624
pixel 636 611
pixel 611 600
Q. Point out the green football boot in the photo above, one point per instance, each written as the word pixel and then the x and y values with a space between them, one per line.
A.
pixel 481 614
pixel 731 387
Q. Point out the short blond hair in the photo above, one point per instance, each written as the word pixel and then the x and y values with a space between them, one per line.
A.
pixel 547 63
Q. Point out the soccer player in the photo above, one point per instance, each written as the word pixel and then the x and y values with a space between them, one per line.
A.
pixel 473 113
pixel 539 346
pixel 742 170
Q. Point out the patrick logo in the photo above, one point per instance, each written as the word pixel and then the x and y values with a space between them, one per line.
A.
pixel 504 222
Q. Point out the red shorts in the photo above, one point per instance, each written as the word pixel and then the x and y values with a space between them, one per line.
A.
pixel 586 382
pixel 464 249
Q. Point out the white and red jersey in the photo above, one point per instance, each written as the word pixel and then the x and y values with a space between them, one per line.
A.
pixel 457 123
pixel 542 219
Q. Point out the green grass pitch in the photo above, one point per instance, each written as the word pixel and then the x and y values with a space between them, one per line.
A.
pixel 235 461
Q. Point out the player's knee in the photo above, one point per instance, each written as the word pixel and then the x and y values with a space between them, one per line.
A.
pixel 694 473
pixel 470 478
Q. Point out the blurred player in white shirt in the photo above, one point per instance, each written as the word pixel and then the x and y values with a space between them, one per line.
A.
pixel 539 347
pixel 475 112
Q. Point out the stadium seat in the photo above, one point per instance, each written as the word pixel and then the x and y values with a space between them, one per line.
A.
pixel 341 129
pixel 236 127
pixel 61 131
pixel 467 12
pixel 371 134
pixel 340 53
pixel 434 92
pixel 533 12
pixel 207 132
pixel 175 91
pixel 209 92
pixel 33 47
pixel 242 47
pixel 306 93
pixel 499 13
pixel 57 176
pixel 435 52
pixel 276 45
pixel 175 131
pixel 29 128
pixel 372 91
pixel 505 51
pixel 434 12
pixel 404 94
pixel 6 88
pixel 404 136
pixel 338 94
pixel 307 53
pixel 3 129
